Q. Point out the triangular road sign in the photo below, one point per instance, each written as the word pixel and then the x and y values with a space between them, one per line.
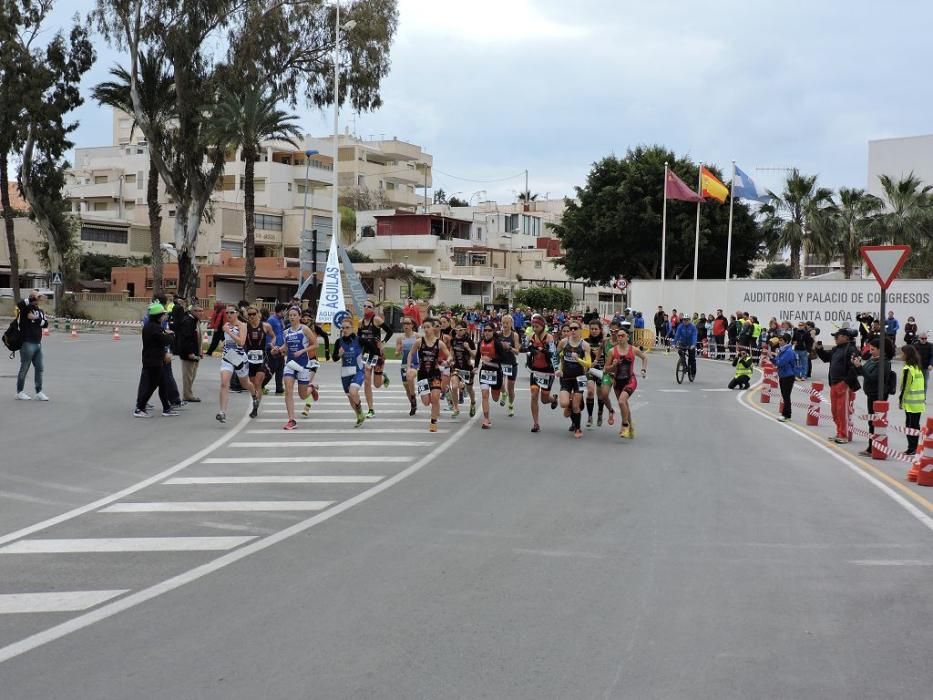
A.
pixel 885 261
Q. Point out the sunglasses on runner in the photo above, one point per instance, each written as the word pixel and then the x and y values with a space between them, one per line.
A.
pixel 574 328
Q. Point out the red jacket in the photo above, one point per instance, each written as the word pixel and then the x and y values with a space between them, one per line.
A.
pixel 719 326
pixel 413 312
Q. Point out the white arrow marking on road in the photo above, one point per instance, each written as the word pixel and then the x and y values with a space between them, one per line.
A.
pixel 198 480
pixel 215 506
pixel 125 544
pixel 308 460
pixel 58 601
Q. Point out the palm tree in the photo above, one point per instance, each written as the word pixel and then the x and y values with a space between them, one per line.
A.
pixel 908 219
pixel 792 214
pixel 244 116
pixel 157 97
pixel 844 226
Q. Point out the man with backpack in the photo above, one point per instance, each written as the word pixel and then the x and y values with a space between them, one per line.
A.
pixel 31 321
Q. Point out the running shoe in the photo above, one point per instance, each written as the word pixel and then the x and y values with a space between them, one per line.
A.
pixel 314 392
pixel 414 409
pixel 255 411
pixel 360 418
pixel 841 441
pixel 290 425
pixel 472 409
pixel 589 422
pixel 307 409
pixel 486 425
pixel 170 412
pixel 511 410
pixel 193 399
pixel 577 434
pixel 502 401
pixel 867 453
pixel 386 382
pixel 456 413
pixel 41 397
pixel 631 430
pixel 141 414
pixel 536 428
pixel 221 417
pixel 265 391
pixel 433 428
pixel 23 396
pixel 370 413
pixel 599 422
pixel 612 418
pixel 553 403
pixel 782 419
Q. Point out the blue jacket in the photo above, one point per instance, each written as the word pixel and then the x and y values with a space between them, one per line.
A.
pixel 686 335
pixel 786 361
pixel 276 323
pixel 891 326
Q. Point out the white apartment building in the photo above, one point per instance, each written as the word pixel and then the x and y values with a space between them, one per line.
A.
pixel 898 157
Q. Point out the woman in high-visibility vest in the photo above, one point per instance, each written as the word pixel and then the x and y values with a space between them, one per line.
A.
pixel 911 398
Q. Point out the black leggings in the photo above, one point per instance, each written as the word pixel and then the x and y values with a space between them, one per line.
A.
pixel 787 386
pixel 150 379
pixel 912 421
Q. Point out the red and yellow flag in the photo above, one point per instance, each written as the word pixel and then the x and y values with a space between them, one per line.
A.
pixel 711 187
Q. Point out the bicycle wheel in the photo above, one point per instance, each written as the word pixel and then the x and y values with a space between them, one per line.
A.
pixel 680 371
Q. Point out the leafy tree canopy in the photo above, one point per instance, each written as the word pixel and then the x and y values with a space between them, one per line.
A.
pixel 615 226
pixel 544 298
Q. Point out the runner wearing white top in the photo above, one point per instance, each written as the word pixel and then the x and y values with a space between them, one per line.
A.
pixel 234 359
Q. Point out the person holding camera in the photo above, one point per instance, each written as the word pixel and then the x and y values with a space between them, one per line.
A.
pixel 743 370
pixel 31 322
pixel 842 378
pixel 870 370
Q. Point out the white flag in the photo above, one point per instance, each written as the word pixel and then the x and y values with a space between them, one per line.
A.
pixel 331 302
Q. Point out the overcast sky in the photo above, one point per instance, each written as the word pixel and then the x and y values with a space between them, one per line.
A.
pixel 492 87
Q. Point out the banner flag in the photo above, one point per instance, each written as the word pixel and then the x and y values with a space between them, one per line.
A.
pixel 331 302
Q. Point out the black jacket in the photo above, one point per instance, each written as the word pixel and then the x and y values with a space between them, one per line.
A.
pixel 803 341
pixel 926 353
pixel 31 328
pixel 155 341
pixel 869 371
pixel 187 339
pixel 841 368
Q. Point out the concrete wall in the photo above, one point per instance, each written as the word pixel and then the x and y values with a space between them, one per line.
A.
pixel 829 304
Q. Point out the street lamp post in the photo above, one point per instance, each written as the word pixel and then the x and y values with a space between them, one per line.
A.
pixel 304 219
pixel 335 218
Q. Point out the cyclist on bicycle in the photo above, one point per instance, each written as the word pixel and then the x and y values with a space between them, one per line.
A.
pixel 686 340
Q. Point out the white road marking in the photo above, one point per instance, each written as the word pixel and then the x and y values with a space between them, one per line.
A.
pixel 110 609
pixel 674 391
pixel 308 460
pixel 379 419
pixel 57 601
pixel 342 431
pixel 898 498
pixel 215 506
pixel 331 411
pixel 891 562
pixel 337 443
pixel 720 389
pixel 338 402
pixel 199 480
pixel 125 544
pixel 91 507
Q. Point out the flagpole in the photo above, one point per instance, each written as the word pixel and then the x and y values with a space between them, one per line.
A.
pixel 696 242
pixel 729 239
pixel 664 233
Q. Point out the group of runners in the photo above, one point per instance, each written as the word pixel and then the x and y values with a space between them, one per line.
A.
pixel 441 362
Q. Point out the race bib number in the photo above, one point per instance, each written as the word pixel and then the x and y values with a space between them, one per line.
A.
pixel 543 380
pixel 488 377
pixel 507 371
pixel 581 382
pixel 423 386
pixel 465 375
pixel 233 357
pixel 255 357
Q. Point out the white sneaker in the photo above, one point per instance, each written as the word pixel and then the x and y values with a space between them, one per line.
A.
pixel 41 397
pixel 23 396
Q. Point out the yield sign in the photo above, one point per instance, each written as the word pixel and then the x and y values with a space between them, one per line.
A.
pixel 885 261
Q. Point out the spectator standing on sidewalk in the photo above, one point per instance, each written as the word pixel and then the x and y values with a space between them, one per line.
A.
pixel 803 345
pixel 891 327
pixel 910 331
pixel 912 398
pixel 31 322
pixel 155 340
pixel 720 325
pixel 216 325
pixel 842 377
pixel 925 351
pixel 188 348
pixel 412 311
pixel 786 362
pixel 870 369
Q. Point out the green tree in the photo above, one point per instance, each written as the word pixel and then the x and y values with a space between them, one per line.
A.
pixel 845 225
pixel 95 266
pixel 908 219
pixel 157 99
pixel 244 116
pixel 49 93
pixel 776 271
pixel 614 227
pixel 210 44
pixel 792 216
pixel 455 201
pixel 440 197
pixel 347 227
pixel 544 298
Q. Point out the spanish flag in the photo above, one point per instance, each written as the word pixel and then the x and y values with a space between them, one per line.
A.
pixel 711 187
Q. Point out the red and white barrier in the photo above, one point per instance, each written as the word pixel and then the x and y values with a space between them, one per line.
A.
pixel 879 441
pixel 813 408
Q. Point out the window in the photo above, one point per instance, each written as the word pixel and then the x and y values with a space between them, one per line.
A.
pixel 269 222
pixel 129 178
pixel 139 180
pixel 300 189
pixel 478 259
pixel 130 206
pixel 171 213
pixel 537 264
pixel 473 289
pixel 96 234
pixel 259 184
pixel 361 181
pixel 100 179
pixel 234 247
pixel 101 206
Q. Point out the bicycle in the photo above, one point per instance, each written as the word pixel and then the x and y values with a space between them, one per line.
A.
pixel 683 368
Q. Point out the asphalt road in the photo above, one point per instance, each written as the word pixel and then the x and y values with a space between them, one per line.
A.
pixel 720 554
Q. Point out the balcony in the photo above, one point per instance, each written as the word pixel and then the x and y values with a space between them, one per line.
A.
pixel 400 150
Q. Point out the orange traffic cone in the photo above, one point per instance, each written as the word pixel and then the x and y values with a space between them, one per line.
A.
pixel 116 333
pixel 74 331
pixel 921 471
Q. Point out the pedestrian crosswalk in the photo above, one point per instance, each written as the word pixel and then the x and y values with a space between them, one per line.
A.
pixel 259 487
